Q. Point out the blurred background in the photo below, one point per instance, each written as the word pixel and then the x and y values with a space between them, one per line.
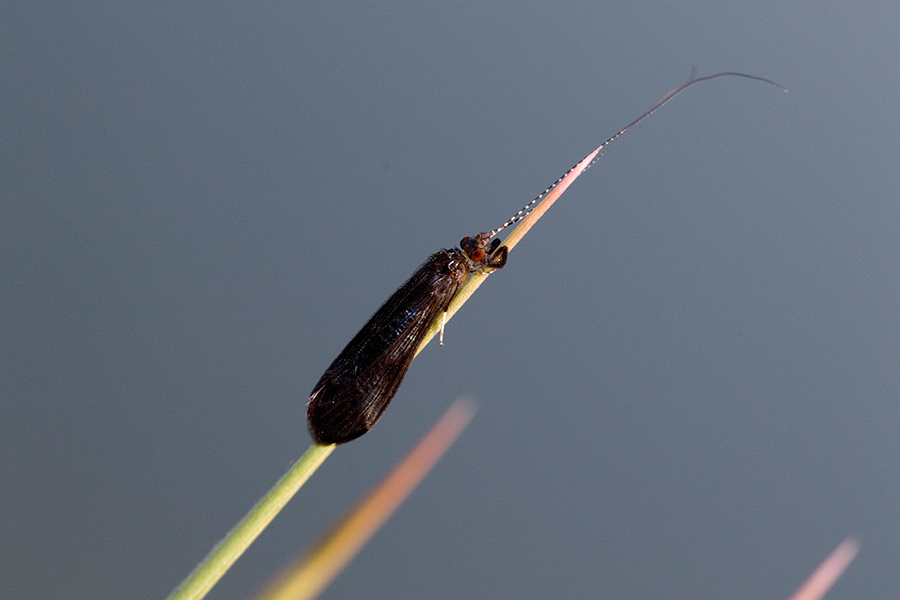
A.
pixel 688 373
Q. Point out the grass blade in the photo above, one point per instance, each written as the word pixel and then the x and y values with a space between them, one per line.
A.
pixel 219 560
pixel 828 572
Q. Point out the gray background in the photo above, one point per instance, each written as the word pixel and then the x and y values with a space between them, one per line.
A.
pixel 688 373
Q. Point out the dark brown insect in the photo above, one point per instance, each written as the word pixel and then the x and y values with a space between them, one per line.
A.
pixel 356 389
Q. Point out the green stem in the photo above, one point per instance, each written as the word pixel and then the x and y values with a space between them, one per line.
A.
pixel 219 560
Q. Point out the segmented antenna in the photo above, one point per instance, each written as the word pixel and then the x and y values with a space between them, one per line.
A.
pixel 601 150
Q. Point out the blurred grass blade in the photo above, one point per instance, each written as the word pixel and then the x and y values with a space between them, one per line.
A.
pixel 828 572
pixel 312 573
pixel 219 560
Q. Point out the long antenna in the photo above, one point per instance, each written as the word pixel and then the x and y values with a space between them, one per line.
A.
pixel 602 148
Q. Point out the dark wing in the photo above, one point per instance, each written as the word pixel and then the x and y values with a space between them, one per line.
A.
pixel 356 389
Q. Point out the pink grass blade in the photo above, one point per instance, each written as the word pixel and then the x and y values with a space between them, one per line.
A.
pixel 828 572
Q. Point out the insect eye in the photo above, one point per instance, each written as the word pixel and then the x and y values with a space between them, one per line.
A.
pixel 469 246
pixel 477 255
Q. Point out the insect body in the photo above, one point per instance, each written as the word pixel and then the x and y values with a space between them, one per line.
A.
pixel 356 389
